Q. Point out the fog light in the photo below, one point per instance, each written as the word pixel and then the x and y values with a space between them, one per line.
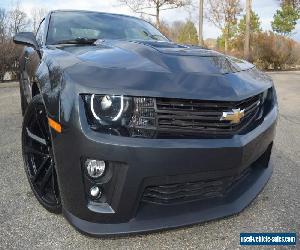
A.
pixel 95 192
pixel 95 169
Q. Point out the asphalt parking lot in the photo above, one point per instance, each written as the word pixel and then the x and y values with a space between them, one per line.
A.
pixel 26 225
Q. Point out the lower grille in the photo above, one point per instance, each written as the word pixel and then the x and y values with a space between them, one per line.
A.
pixel 177 193
pixel 191 191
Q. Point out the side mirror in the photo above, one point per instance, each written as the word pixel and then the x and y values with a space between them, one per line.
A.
pixel 27 39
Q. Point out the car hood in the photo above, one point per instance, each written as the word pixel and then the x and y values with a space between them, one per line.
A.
pixel 157 69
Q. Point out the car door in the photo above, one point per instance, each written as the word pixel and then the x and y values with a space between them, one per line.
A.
pixel 32 60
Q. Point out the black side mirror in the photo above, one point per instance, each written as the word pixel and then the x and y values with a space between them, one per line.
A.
pixel 27 39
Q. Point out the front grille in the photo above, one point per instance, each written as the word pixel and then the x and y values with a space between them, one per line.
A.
pixel 192 191
pixel 195 116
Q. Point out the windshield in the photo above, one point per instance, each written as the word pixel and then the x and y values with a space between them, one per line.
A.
pixel 66 26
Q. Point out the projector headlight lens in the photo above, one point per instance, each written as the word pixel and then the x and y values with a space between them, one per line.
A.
pixel 110 110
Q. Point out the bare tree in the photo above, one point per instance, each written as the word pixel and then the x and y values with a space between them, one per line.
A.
pixel 154 7
pixel 18 20
pixel 11 22
pixel 201 6
pixel 3 19
pixel 9 54
pixel 37 14
pixel 223 14
pixel 247 33
pixel 294 3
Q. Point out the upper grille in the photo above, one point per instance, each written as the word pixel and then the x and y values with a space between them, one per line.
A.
pixel 195 116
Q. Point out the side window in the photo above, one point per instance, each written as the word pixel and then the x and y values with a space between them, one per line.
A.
pixel 40 33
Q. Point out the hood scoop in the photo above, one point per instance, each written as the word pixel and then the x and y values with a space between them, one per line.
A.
pixel 176 49
pixel 160 44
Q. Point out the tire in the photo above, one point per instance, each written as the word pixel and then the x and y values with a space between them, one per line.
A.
pixel 38 156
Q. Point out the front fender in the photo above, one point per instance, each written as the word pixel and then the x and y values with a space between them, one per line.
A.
pixel 49 79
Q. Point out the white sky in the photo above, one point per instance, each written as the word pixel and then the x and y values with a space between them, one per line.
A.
pixel 264 8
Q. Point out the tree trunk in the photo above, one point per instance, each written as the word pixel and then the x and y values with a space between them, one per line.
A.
pixel 201 43
pixel 226 45
pixel 226 41
pixel 247 34
pixel 157 16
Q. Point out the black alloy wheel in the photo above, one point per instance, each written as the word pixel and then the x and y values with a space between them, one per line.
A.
pixel 38 156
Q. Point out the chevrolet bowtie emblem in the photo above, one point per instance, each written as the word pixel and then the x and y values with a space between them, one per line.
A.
pixel 233 116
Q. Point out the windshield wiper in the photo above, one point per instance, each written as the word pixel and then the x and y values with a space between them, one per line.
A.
pixel 154 37
pixel 157 37
pixel 79 40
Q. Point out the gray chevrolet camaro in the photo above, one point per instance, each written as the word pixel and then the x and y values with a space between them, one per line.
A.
pixel 125 131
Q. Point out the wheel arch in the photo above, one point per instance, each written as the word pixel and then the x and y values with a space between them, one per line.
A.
pixel 49 87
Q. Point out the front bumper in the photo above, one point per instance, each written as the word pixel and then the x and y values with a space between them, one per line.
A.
pixel 138 163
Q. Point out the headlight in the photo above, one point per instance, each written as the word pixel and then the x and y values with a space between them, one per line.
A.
pixel 265 95
pixel 120 115
pixel 111 110
pixel 269 100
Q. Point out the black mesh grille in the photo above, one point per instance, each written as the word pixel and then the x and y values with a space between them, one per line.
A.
pixel 191 191
pixel 175 193
pixel 179 115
